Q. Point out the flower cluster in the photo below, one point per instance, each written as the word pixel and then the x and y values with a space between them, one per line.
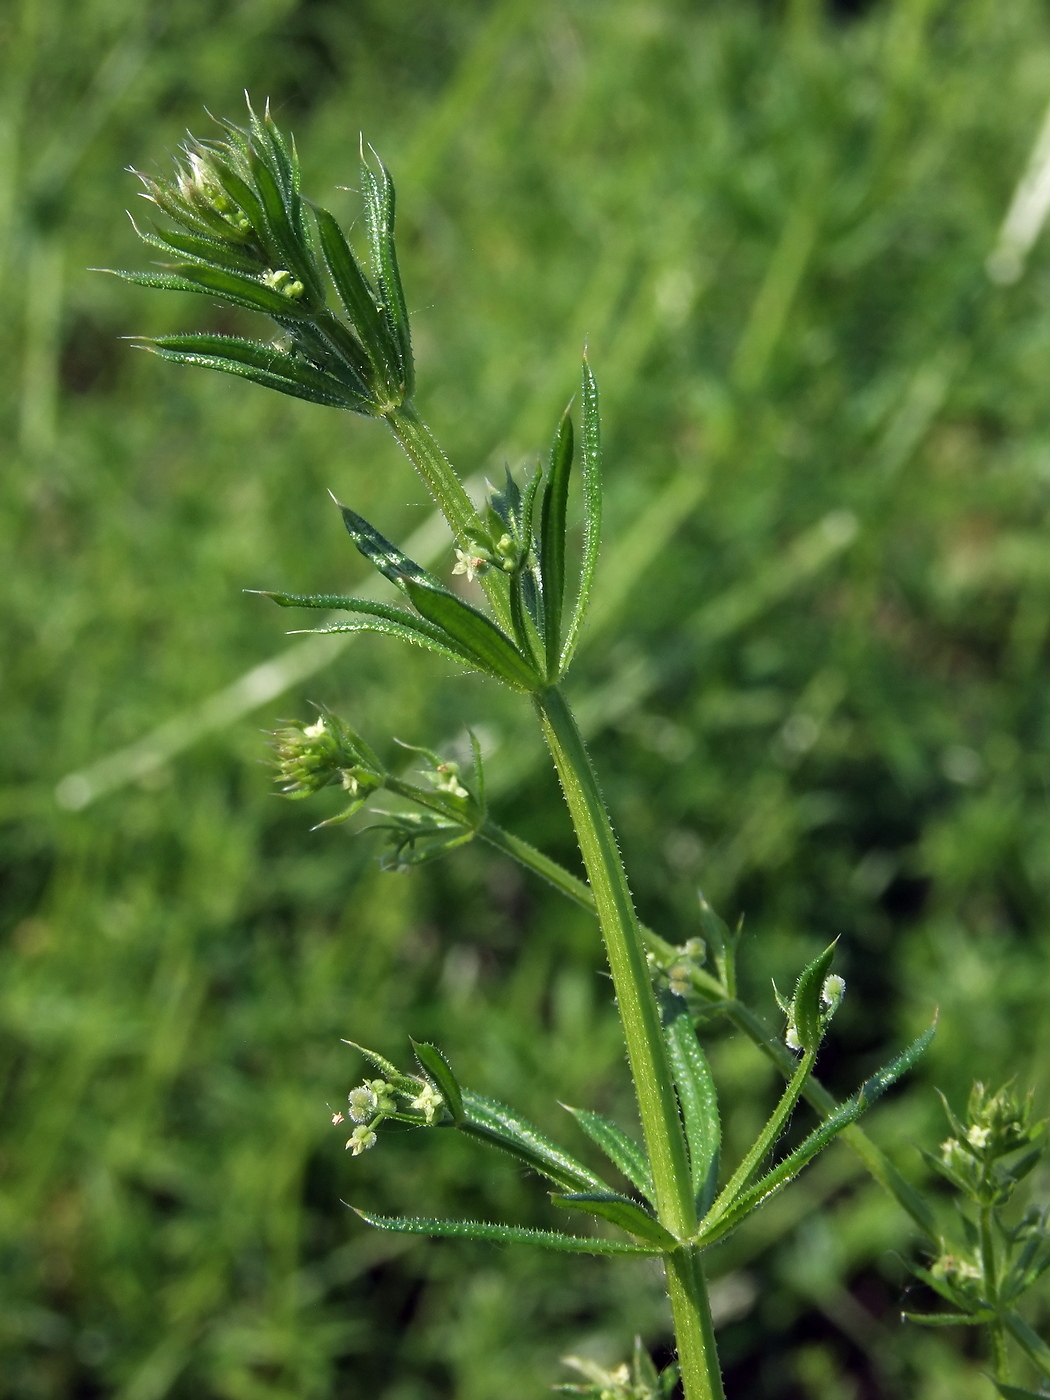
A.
pixel 974 1157
pixel 638 1380
pixel 242 234
pixel 676 972
pixel 377 1099
pixel 309 757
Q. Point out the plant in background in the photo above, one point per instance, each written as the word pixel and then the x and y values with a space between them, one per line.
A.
pixel 985 1273
pixel 244 234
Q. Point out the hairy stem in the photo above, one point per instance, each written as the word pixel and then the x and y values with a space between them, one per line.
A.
pixel 643 1033
pixel 694 1329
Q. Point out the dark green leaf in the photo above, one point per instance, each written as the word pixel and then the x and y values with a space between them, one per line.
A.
pixel 241 291
pixel 378 550
pixel 492 649
pixel 233 355
pixel 621 1211
pixel 591 455
pixel 807 1002
pixel 645 1373
pixel 201 249
pixel 496 1124
pixel 502 1234
pixel 699 1101
pixel 358 297
pixel 1014 1392
pixel 439 1071
pixel 620 1149
pixel 379 221
pixel 552 541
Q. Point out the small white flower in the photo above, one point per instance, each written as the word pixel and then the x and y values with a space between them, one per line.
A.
pixel 791 1039
pixel 833 991
pixel 471 562
pixel 360 1140
pixel 978 1137
pixel 428 1101
pixel 363 1103
pixel 315 730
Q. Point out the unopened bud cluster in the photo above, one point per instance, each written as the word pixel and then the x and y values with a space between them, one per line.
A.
pixel 376 1099
pixel 676 972
pixel 997 1125
pixel 309 757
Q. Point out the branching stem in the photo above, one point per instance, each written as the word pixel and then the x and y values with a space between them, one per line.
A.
pixel 646 1051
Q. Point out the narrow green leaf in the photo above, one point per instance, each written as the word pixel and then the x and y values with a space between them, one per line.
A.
pixel 437 1069
pixel 407 629
pixel 242 291
pixel 941 1286
pixel 807 1001
pixel 1030 1342
pixel 501 1234
pixel 621 1150
pixel 948 1319
pixel 210 350
pixel 699 1101
pixel 790 1167
pixel 440 1073
pixel 438 639
pixel 498 1125
pixel 242 194
pixel 201 249
pixel 492 649
pixel 358 297
pixel 552 541
pixel 300 387
pixel 591 455
pixel 390 1072
pixel 1014 1392
pixel 621 1211
pixel 379 221
pixel 378 550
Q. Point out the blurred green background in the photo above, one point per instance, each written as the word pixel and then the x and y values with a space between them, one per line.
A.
pixel 816 681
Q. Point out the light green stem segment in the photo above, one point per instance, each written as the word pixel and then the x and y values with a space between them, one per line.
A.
pixel 436 470
pixel 694 1330
pixel 657 1103
pixel 440 479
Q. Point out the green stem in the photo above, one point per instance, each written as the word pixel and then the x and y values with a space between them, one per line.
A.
pixel 657 1102
pixel 643 1033
pixel 694 1329
pixel 991 1292
pixel 444 485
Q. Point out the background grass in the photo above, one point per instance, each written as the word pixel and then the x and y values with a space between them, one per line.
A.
pixel 816 681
